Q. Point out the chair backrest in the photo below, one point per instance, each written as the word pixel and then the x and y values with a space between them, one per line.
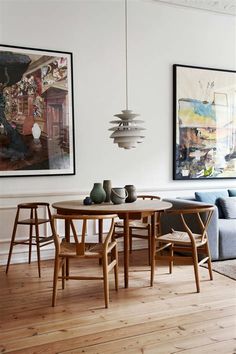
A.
pixel 201 215
pixel 150 197
pixel 79 238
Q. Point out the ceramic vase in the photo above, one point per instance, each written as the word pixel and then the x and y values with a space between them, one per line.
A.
pixel 36 131
pixel 107 189
pixel 118 195
pixel 97 194
pixel 132 195
pixel 87 201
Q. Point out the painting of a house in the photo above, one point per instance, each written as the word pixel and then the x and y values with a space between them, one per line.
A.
pixel 36 118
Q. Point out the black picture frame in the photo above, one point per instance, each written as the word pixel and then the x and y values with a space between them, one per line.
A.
pixel 204 123
pixel 36 112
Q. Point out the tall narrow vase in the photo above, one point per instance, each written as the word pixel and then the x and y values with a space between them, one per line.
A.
pixel 97 194
pixel 107 189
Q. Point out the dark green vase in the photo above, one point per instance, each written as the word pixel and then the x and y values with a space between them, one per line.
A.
pixel 98 194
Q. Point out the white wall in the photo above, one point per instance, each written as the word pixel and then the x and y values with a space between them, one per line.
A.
pixel 159 36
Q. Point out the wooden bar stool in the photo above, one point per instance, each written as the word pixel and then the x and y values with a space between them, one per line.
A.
pixel 33 221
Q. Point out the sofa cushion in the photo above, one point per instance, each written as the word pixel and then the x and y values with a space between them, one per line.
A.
pixel 212 198
pixel 227 238
pixel 228 206
pixel 232 192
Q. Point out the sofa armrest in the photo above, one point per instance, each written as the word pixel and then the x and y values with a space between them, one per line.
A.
pixel 174 221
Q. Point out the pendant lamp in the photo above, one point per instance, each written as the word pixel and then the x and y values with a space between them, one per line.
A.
pixel 127 133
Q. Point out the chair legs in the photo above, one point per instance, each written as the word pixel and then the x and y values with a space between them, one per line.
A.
pixel 193 257
pixel 171 259
pixel 149 249
pixel 196 266
pixel 209 261
pixel 63 275
pixel 106 268
pixel 196 270
pixel 114 256
pixel 105 280
pixel 57 265
pixel 153 260
pixel 149 244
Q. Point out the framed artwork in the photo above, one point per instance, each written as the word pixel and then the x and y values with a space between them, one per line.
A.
pixel 204 123
pixel 36 112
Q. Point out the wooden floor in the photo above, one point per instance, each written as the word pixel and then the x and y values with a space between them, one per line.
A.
pixel 168 318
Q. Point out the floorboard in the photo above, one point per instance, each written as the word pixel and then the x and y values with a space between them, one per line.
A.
pixel 170 317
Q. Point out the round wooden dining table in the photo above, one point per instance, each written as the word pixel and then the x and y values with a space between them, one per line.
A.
pixel 127 211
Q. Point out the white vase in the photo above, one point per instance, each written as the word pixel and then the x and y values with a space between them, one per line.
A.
pixel 36 131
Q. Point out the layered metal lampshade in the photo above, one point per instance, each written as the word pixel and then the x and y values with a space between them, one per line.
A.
pixel 127 133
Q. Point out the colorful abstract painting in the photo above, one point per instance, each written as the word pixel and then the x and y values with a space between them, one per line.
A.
pixel 36 112
pixel 204 123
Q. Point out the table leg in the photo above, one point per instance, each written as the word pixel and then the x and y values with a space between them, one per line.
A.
pixel 126 251
pixel 67 237
pixel 100 232
pixel 153 246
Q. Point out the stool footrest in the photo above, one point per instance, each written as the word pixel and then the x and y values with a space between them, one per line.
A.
pixel 45 238
pixel 42 239
pixel 21 242
pixel 32 221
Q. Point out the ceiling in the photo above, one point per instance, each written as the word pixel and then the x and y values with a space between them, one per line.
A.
pixel 227 7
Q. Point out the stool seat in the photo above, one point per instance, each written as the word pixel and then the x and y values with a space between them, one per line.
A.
pixel 33 221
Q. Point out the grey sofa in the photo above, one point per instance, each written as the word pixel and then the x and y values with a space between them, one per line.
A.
pixel 221 231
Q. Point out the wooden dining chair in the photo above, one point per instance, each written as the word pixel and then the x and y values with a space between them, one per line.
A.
pixel 186 245
pixel 34 217
pixel 140 229
pixel 77 248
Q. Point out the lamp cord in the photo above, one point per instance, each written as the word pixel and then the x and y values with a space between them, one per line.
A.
pixel 126 54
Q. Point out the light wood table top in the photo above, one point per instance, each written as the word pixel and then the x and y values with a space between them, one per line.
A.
pixel 139 206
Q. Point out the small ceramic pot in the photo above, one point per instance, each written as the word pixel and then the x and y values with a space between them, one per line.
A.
pixel 118 195
pixel 87 201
